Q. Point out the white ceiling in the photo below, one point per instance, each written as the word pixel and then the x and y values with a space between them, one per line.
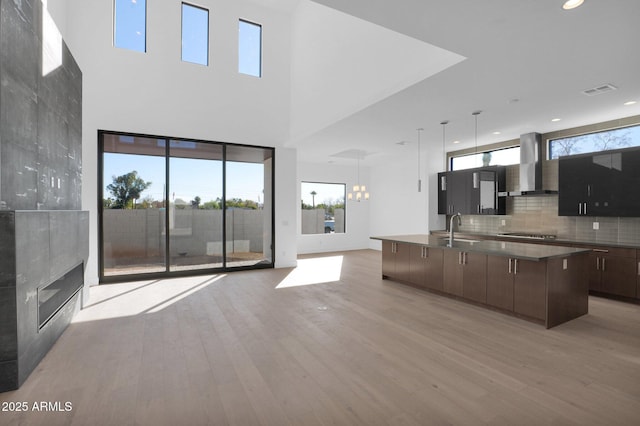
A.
pixel 526 63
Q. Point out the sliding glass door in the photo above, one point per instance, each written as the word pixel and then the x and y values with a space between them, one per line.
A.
pixel 248 206
pixel 133 205
pixel 195 205
pixel 172 205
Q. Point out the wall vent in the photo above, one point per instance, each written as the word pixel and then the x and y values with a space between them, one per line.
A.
pixel 599 90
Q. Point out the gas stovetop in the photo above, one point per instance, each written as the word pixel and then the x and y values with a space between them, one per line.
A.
pixel 528 235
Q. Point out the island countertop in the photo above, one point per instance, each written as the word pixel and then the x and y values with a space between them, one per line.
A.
pixel 534 252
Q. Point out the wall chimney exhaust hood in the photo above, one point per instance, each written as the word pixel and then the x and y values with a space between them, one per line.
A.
pixel 531 166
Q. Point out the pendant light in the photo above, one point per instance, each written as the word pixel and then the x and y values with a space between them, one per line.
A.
pixel 476 114
pixel 359 191
pixel 419 180
pixel 444 151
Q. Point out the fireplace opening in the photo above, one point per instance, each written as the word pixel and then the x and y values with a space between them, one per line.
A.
pixel 53 297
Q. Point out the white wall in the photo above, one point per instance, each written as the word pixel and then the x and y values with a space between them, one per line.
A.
pixel 286 219
pixel 156 93
pixel 357 213
pixel 400 208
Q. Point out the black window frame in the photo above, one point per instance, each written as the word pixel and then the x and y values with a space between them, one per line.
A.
pixel 167 273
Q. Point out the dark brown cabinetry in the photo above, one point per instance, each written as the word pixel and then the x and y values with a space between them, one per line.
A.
pixel 465 275
pixel 613 271
pixel 529 290
pixel 395 260
pixel 425 267
pixel 516 285
pixel 638 286
pixel 500 282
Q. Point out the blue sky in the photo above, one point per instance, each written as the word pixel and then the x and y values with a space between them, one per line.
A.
pixel 325 192
pixel 195 34
pixel 190 177
pixel 130 31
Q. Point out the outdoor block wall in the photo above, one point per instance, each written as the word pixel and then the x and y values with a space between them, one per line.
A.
pixel 140 233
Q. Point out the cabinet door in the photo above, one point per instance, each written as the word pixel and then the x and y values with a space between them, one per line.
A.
pixel 605 174
pixel 627 190
pixel 638 270
pixel 619 275
pixel 417 265
pixel 433 269
pixel 595 275
pixel 457 197
pixel 483 191
pixel 452 274
pixel 500 282
pixel 442 193
pixel 403 261
pixel 474 279
pixel 573 178
pixel 529 289
pixel 388 259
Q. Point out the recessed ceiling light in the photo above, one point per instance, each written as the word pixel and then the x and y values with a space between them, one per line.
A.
pixel 572 4
pixel 456 141
pixel 555 119
pixel 630 103
pixel 496 133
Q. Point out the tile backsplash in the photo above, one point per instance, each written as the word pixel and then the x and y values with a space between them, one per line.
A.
pixel 539 215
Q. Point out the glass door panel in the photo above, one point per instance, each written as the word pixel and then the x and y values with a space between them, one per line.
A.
pixel 249 201
pixel 133 205
pixel 195 205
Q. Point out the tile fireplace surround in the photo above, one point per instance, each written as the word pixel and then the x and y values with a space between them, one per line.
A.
pixel 37 248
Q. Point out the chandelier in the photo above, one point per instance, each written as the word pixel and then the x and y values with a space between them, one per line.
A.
pixel 359 191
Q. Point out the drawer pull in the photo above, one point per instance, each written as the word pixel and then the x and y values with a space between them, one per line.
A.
pixel 598 263
pixel 510 265
pixel 515 267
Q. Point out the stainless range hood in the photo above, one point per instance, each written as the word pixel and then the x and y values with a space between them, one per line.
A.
pixel 531 166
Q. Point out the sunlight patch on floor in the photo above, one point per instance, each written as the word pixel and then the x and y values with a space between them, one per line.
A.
pixel 140 297
pixel 314 271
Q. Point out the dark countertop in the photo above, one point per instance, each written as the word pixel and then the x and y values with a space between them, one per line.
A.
pixel 556 241
pixel 535 252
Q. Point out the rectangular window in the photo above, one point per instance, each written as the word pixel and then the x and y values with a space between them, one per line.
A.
pixel 250 48
pixel 323 208
pixel 195 34
pixel 499 157
pixel 594 142
pixel 130 25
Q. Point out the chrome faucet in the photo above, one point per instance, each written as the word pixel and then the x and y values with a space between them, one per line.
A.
pixel 459 216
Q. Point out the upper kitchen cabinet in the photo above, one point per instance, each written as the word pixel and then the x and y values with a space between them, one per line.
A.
pixel 472 191
pixel 600 184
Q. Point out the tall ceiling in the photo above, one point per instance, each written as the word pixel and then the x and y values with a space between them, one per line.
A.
pixel 409 64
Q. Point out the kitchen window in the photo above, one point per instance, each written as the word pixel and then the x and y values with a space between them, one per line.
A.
pixel 498 157
pixel 624 137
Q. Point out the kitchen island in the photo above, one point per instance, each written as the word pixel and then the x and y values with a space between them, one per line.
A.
pixel 544 284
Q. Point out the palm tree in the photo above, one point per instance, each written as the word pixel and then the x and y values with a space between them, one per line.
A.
pixel 313 198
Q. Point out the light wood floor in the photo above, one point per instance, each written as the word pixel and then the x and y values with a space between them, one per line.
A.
pixel 360 351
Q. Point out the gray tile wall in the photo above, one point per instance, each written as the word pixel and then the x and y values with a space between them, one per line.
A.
pixel 40 117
